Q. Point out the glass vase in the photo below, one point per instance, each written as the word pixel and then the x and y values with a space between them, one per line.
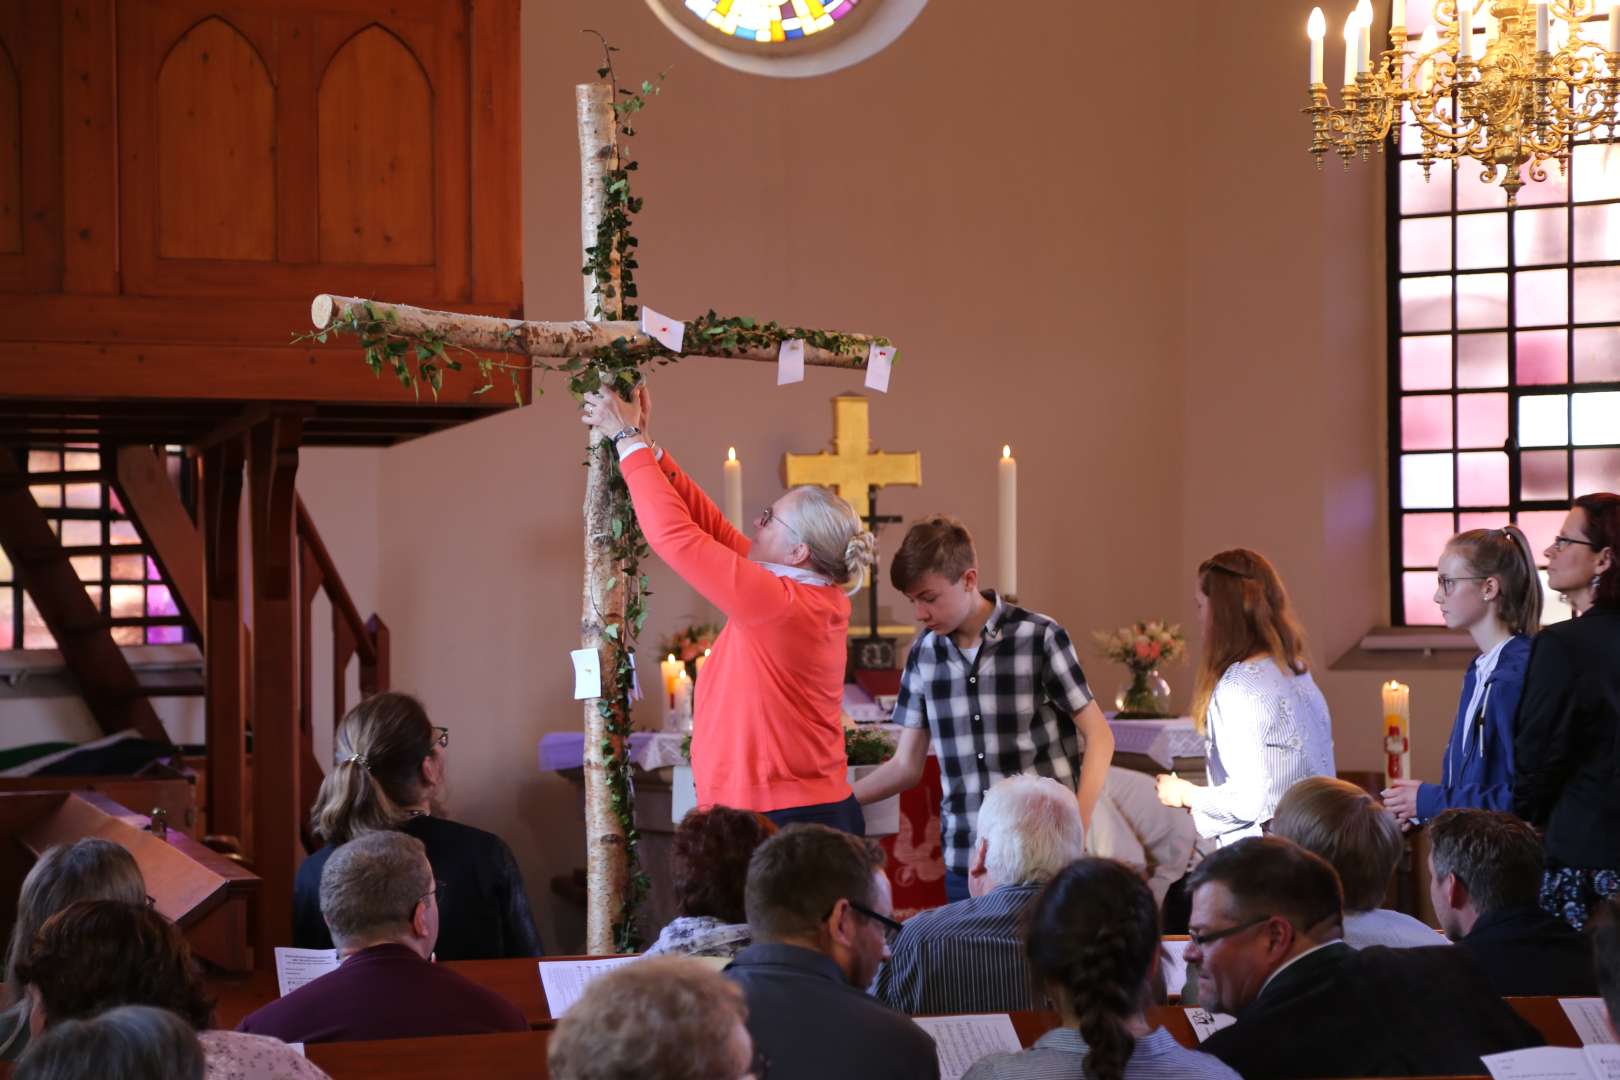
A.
pixel 1146 698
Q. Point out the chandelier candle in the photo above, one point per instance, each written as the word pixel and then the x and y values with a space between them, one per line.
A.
pixel 1350 50
pixel 1397 729
pixel 1316 27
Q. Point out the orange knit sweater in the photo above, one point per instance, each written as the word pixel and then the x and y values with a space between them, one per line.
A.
pixel 767 732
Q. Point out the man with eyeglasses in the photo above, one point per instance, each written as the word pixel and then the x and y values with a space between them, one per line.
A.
pixel 821 917
pixel 381 902
pixel 1266 932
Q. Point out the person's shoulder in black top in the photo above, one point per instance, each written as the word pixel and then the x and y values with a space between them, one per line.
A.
pixel 484 912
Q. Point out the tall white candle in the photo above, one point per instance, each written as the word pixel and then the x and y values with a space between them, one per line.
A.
pixel 1364 17
pixel 1008 485
pixel 1614 30
pixel 1428 43
pixel 733 489
pixel 1397 14
pixel 1465 29
pixel 1316 26
pixel 1542 36
pixel 1350 48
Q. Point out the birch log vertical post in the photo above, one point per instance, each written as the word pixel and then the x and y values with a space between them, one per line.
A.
pixel 606 869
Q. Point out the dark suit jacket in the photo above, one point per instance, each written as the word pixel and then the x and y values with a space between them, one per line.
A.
pixel 385 992
pixel 812 1025
pixel 483 912
pixel 1525 951
pixel 1374 1012
pixel 1566 752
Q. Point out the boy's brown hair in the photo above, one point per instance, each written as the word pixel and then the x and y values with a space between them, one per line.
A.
pixel 935 545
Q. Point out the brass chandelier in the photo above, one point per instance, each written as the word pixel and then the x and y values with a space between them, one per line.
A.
pixel 1512 97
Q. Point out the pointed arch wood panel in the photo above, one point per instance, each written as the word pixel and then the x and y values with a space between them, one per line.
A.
pixel 216 152
pixel 376 151
pixel 10 156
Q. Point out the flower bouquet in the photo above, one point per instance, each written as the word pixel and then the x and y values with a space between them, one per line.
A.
pixel 1142 647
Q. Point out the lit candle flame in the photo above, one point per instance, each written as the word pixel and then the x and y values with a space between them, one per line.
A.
pixel 1316 26
pixel 1006 451
pixel 731 453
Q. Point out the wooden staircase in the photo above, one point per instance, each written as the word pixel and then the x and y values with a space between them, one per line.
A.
pixel 80 521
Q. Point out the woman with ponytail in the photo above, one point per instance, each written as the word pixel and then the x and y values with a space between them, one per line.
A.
pixel 767 728
pixel 1488 586
pixel 1567 746
pixel 1093 945
pixel 1266 725
pixel 388 772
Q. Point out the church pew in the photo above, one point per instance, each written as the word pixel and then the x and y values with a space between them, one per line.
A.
pixel 1542 1013
pixel 488 1057
pixel 517 980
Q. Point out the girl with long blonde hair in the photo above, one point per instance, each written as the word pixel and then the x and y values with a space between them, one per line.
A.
pixel 1265 723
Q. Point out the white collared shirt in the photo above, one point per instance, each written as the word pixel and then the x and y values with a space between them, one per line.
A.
pixel 802 574
pixel 1484 668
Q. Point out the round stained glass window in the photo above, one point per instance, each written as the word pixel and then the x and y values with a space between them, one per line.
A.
pixel 769 21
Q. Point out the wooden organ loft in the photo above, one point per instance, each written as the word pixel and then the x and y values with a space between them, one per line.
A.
pixel 177 180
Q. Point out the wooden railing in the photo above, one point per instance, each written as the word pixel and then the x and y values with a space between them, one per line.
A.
pixel 353 638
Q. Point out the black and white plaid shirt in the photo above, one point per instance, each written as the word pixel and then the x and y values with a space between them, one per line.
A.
pixel 1008 711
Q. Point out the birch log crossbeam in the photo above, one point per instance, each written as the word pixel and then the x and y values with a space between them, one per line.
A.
pixel 549 340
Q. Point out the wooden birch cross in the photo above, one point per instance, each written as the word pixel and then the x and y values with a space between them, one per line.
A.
pixel 605 348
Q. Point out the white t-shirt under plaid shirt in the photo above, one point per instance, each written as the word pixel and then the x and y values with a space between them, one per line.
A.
pixel 1007 711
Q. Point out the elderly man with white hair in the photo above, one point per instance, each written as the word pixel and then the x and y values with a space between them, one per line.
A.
pixel 968 957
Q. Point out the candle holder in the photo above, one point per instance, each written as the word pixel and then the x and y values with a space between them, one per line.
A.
pixel 1518 105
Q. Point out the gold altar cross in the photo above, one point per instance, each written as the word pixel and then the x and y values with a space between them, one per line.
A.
pixel 853 467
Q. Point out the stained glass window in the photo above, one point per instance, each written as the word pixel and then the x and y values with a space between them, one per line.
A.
pixel 771 20
pixel 104 549
pixel 1504 354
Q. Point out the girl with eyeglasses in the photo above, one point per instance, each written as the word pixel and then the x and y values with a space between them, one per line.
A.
pixel 1567 747
pixel 1265 723
pixel 389 773
pixel 1488 586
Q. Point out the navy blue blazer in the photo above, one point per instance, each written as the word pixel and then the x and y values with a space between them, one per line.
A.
pixel 1478 771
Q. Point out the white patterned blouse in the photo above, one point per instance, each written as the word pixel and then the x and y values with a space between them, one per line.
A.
pixel 1267 730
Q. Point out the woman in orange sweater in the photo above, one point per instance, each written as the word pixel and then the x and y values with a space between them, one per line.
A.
pixel 767 730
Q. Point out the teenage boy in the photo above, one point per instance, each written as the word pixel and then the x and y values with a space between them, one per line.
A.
pixel 999 689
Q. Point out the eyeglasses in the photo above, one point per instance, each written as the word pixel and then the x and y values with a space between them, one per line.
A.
pixel 1560 542
pixel 1449 583
pixel 1204 941
pixel 769 515
pixel 437 893
pixel 441 736
pixel 891 928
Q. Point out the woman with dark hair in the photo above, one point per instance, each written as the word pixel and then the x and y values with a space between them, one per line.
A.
pixel 91 869
pixel 1567 750
pixel 710 866
pixel 1265 723
pixel 389 772
pixel 99 954
pixel 131 1042
pixel 1093 944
